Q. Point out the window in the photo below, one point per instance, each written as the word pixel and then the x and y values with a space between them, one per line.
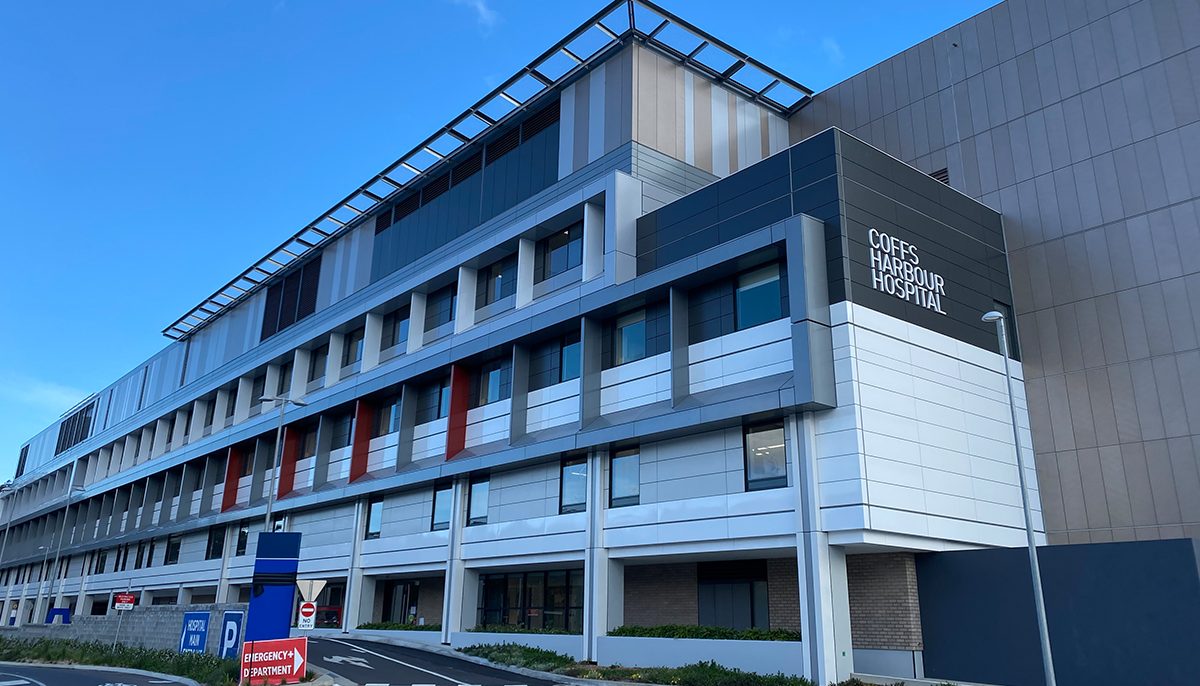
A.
pixel 317 360
pixel 210 410
pixel 150 553
pixel 572 495
pixel 243 538
pixel 387 417
pixel 477 505
pixel 173 543
pixel 559 252
pixel 99 562
pixel 231 402
pixel 308 442
pixel 732 594
pixel 439 307
pixel 291 298
pixel 625 478
pixel 758 297
pixel 395 329
pixel 554 361
pixel 215 549
pixel 766 466
pixel 71 431
pixel 496 281
pixel 540 601
pixel 443 497
pixel 352 347
pixel 630 340
pixel 434 401
pixel 247 463
pixel 284 387
pixel 340 433
pixel 258 389
pixel 495 382
pixel 374 518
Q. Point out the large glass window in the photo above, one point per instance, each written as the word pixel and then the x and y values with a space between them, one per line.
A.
pixel 766 466
pixel 495 382
pixel 630 339
pixel 352 347
pixel 554 361
pixel 625 478
pixel 439 307
pixel 477 507
pixel 573 485
pixel 215 548
pixel 443 505
pixel 560 252
pixel 308 442
pixel 243 538
pixel 284 386
pixel 570 361
pixel 539 601
pixel 758 297
pixel 496 281
pixel 387 416
pixel 374 518
pixel 395 329
pixel 340 436
pixel 434 401
pixel 733 594
pixel 258 389
pixel 317 360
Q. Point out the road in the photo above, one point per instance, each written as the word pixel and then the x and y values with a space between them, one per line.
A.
pixel 381 664
pixel 29 675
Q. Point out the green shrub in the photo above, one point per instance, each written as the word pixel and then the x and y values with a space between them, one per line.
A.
pixel 520 656
pixel 709 632
pixel 206 669
pixel 508 629
pixel 398 626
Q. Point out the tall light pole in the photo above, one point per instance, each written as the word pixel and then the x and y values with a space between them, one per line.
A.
pixel 283 403
pixel 1034 570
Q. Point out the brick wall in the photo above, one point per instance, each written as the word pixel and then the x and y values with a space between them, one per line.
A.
pixel 155 626
pixel 884 612
pixel 661 594
pixel 429 599
pixel 783 594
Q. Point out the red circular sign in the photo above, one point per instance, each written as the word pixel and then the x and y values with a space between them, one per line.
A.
pixel 308 609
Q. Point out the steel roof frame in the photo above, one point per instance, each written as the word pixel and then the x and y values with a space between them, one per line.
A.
pixel 384 185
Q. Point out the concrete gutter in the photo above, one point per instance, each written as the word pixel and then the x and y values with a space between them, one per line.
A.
pixel 105 668
pixel 901 681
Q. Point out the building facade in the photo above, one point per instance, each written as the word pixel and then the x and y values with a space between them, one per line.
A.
pixel 640 350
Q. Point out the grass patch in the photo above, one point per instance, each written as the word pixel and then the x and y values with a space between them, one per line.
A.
pixel 206 669
pixel 707 632
pixel 398 626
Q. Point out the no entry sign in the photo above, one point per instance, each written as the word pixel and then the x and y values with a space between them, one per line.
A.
pixel 124 601
pixel 282 661
pixel 308 615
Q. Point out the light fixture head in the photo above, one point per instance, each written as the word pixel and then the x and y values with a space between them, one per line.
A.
pixel 992 316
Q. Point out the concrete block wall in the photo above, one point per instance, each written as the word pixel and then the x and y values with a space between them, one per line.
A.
pixel 156 626
pixel 884 608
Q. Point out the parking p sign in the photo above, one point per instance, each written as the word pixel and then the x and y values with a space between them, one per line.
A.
pixel 194 635
pixel 231 633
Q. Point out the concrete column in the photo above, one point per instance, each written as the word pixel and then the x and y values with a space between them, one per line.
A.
pixel 680 373
pixel 333 363
pixel 622 206
pixel 271 382
pixel 526 253
pixel 352 617
pixel 183 596
pixel 220 409
pixel 372 341
pixel 180 434
pixel 209 479
pixel 593 240
pixel 162 437
pixel 170 478
pixel 145 444
pixel 190 479
pixel 196 424
pixel 595 560
pixel 241 404
pixel 321 459
pixel 416 322
pixel 453 605
pixel 824 592
pixel 137 497
pixel 300 367
pixel 591 333
pixel 408 420
pixel 231 532
pixel 90 463
pixel 120 511
pixel 519 413
pixel 105 519
pixel 153 491
pixel 464 313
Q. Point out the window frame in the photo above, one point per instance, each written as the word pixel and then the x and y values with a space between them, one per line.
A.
pixel 434 524
pixel 615 501
pixel 565 507
pixel 208 547
pixel 629 319
pixel 484 481
pixel 763 484
pixel 243 538
pixel 353 343
pixel 737 290
pixel 574 234
pixel 373 527
pixel 171 554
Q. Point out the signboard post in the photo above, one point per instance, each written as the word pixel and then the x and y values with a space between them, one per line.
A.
pixel 193 636
pixel 231 633
pixel 308 615
pixel 279 661
pixel 122 602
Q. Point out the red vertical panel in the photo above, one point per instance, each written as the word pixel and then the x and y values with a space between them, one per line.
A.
pixel 456 426
pixel 360 445
pixel 287 462
pixel 233 472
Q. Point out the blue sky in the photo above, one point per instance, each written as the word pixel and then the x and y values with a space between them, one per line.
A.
pixel 150 151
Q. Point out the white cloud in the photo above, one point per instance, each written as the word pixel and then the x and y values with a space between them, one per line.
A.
pixel 37 394
pixel 485 16
pixel 833 51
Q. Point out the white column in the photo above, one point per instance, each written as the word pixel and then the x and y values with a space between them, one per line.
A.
pixel 196 425
pixel 354 586
pixel 271 382
pixel 220 409
pixel 231 533
pixel 526 251
pixel 622 206
pixel 333 363
pixel 596 567
pixel 162 436
pixel 372 341
pixel 593 240
pixel 180 433
pixel 416 322
pixel 300 367
pixel 464 313
pixel 456 584
pixel 241 404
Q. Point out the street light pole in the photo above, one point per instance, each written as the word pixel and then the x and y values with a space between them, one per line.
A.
pixel 8 490
pixel 278 461
pixel 1034 570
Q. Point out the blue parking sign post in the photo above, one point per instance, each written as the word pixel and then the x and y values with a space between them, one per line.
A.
pixel 193 637
pixel 231 633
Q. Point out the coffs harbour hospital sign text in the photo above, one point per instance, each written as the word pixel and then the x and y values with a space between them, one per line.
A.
pixel 896 270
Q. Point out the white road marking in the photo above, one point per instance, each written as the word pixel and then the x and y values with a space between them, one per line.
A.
pixel 16 682
pixel 399 662
pixel 19 681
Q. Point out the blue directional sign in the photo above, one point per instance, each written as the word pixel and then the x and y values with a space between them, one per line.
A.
pixel 231 633
pixel 193 637
pixel 273 588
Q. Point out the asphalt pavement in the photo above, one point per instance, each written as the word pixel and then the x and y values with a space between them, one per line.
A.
pixel 37 675
pixel 381 664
